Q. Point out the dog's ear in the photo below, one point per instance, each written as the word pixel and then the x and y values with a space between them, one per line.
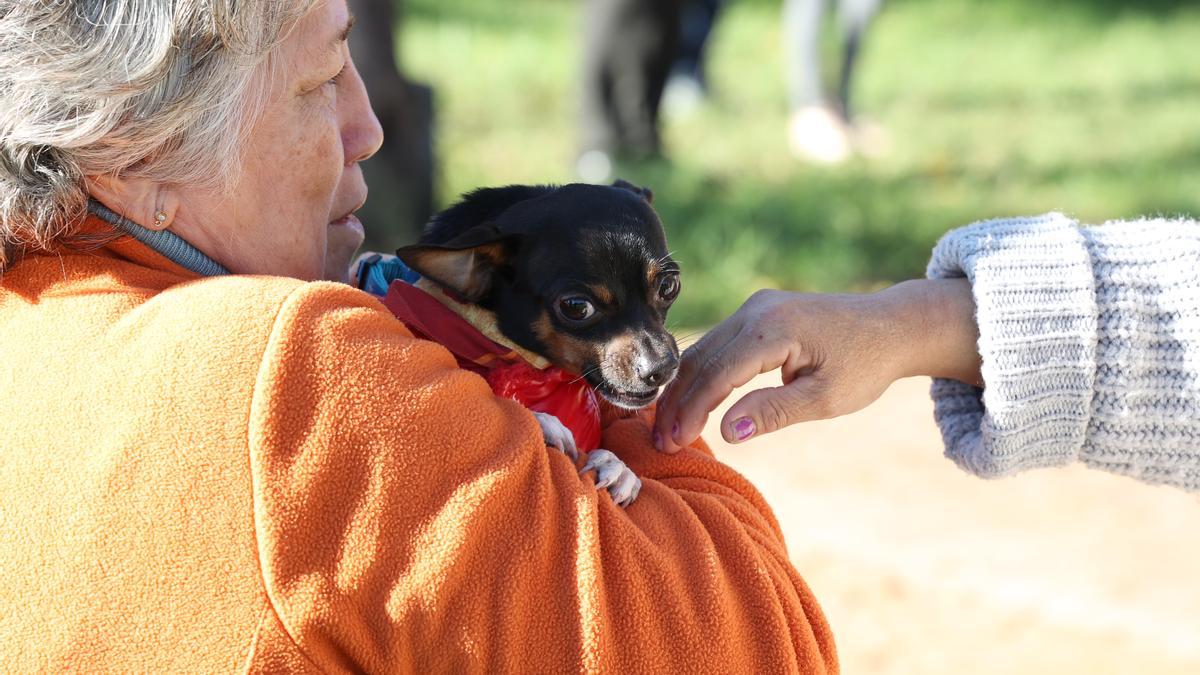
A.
pixel 479 207
pixel 644 193
pixel 467 264
pixel 462 249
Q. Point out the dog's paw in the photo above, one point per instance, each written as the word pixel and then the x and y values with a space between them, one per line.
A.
pixel 612 473
pixel 557 435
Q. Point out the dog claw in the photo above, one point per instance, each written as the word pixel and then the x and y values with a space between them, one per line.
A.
pixel 557 435
pixel 612 474
pixel 626 489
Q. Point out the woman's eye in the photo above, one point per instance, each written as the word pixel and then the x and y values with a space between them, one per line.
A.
pixel 668 287
pixel 337 78
pixel 333 81
pixel 576 309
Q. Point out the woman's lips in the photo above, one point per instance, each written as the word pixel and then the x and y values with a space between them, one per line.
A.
pixel 350 221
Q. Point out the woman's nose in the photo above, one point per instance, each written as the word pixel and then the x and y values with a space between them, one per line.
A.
pixel 362 135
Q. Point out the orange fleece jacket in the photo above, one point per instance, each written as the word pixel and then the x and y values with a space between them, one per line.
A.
pixel 259 474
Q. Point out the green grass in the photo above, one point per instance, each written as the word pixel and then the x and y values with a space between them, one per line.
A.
pixel 993 108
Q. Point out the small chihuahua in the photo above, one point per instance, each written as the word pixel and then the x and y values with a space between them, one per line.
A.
pixel 579 275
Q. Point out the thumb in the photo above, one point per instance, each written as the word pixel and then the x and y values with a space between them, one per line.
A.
pixel 771 409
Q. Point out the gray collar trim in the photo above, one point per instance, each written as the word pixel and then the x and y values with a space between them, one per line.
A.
pixel 169 244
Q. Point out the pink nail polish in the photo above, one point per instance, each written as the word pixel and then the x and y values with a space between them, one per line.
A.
pixel 743 429
pixel 658 440
pixel 675 431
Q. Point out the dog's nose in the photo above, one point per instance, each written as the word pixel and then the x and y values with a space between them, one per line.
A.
pixel 657 374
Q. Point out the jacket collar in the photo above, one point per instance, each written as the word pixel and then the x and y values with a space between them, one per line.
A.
pixel 167 244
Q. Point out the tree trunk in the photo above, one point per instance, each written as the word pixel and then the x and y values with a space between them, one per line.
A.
pixel 401 175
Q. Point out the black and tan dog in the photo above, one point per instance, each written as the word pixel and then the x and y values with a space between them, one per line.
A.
pixel 579 275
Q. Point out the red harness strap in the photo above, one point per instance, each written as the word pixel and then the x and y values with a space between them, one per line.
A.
pixel 551 390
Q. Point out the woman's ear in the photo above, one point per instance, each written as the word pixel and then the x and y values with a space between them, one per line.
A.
pixel 142 201
pixel 466 265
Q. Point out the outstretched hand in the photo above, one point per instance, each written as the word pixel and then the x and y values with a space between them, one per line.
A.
pixel 836 354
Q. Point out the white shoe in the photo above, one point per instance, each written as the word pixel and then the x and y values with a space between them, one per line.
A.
pixel 818 134
pixel 682 97
pixel 594 166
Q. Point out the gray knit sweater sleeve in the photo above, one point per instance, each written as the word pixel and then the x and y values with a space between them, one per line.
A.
pixel 1090 339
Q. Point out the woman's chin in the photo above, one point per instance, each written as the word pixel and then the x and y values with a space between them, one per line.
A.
pixel 343 239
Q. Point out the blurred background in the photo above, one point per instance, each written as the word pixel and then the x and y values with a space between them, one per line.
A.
pixel 990 108
pixel 957 110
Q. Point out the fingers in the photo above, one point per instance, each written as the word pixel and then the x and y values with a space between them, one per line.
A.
pixel 771 409
pixel 826 347
pixel 690 367
pixel 731 368
pixel 741 360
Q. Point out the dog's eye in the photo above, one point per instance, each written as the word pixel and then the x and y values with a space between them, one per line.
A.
pixel 576 309
pixel 668 287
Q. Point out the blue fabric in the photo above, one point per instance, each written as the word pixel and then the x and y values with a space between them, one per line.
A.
pixel 168 244
pixel 376 273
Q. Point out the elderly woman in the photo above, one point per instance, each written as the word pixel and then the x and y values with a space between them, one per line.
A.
pixel 212 461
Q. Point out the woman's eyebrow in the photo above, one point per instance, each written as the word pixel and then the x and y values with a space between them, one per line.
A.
pixel 344 35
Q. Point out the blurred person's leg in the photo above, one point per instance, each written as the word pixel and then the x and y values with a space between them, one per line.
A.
pixel 401 174
pixel 687 84
pixel 696 22
pixel 855 17
pixel 629 48
pixel 599 132
pixel 802 23
pixel 816 130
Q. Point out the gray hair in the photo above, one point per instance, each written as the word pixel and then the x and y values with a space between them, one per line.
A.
pixel 158 89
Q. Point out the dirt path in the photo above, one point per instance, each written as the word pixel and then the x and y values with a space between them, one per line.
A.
pixel 922 568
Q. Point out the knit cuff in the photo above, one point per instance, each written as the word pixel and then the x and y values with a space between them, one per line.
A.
pixel 1035 303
